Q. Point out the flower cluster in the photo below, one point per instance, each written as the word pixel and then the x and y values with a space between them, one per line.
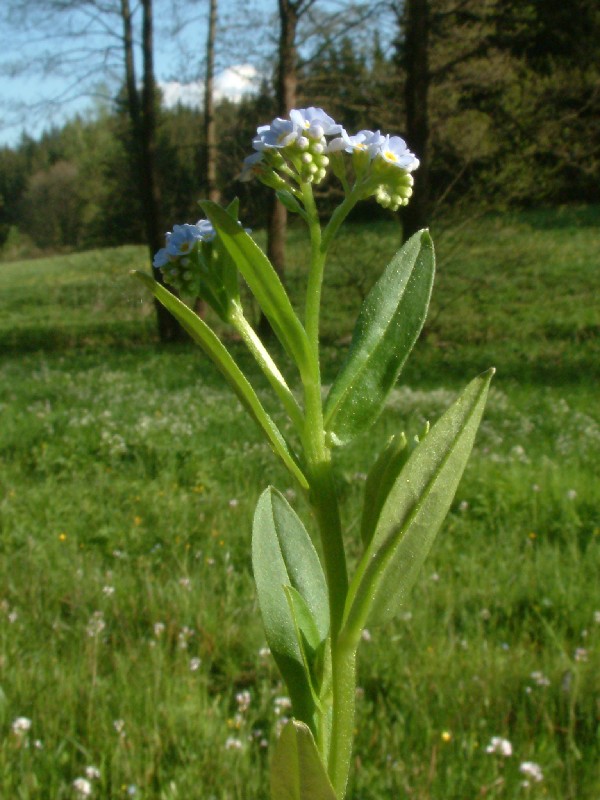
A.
pixel 297 150
pixel 294 146
pixel 181 260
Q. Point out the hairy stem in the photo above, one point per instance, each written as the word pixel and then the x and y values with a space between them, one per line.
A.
pixel 268 366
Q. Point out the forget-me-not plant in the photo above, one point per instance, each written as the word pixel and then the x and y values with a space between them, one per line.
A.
pixel 315 612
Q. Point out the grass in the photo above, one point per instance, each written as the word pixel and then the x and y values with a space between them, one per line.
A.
pixel 128 622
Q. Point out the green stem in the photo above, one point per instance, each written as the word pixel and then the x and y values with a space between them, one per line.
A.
pixel 315 275
pixel 268 366
pixel 325 505
pixel 343 668
pixel 338 216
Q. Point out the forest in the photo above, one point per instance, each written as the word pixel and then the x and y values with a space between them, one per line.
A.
pixel 508 113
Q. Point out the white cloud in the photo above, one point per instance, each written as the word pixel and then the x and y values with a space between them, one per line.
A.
pixel 233 84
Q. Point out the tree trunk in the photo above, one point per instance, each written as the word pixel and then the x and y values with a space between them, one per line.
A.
pixel 211 153
pixel 143 124
pixel 285 97
pixel 416 62
pixel 287 82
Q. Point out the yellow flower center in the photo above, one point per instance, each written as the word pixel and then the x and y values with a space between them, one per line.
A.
pixel 390 156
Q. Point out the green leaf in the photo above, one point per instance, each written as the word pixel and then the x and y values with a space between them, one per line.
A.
pixel 263 281
pixel 283 555
pixel 297 772
pixel 309 641
pixel 305 622
pixel 212 346
pixel 387 327
pixel 414 511
pixel 380 480
pixel 288 200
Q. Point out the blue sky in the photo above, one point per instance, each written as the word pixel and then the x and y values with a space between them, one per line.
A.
pixel 36 98
pixel 81 70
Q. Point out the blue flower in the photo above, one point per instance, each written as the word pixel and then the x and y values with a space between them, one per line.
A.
pixel 183 239
pixel 280 133
pixel 314 122
pixel 207 232
pixel 393 150
pixel 253 166
pixel 361 141
pixel 161 258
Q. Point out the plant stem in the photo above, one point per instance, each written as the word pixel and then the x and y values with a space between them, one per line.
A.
pixel 268 366
pixel 343 669
pixel 325 505
pixel 315 275
pixel 338 216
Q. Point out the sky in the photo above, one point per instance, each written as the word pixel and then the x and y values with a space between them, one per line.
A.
pixel 29 103
pixel 84 73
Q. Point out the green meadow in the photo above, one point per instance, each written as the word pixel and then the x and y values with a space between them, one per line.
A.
pixel 130 637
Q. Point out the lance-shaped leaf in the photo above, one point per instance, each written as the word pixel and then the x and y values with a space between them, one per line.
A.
pixel 297 772
pixel 309 640
pixel 414 511
pixel 387 327
pixel 380 480
pixel 212 346
pixel 283 555
pixel 263 281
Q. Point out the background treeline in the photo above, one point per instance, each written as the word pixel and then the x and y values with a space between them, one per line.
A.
pixel 513 120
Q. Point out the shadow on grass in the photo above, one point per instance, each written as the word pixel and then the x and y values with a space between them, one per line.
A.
pixel 429 363
pixel 36 338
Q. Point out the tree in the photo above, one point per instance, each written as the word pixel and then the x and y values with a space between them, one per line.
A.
pixel 416 95
pixel 286 85
pixel 210 137
pixel 85 18
pixel 143 123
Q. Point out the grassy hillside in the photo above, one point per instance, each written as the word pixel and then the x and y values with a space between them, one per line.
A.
pixel 128 477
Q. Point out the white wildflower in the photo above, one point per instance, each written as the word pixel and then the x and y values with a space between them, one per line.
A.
pixel 243 700
pixel 195 664
pixel 499 746
pixel 539 678
pixel 96 624
pixel 83 787
pixel 531 770
pixel 281 704
pixel 21 726
pixel 92 773
pixel 183 637
pixel 231 743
